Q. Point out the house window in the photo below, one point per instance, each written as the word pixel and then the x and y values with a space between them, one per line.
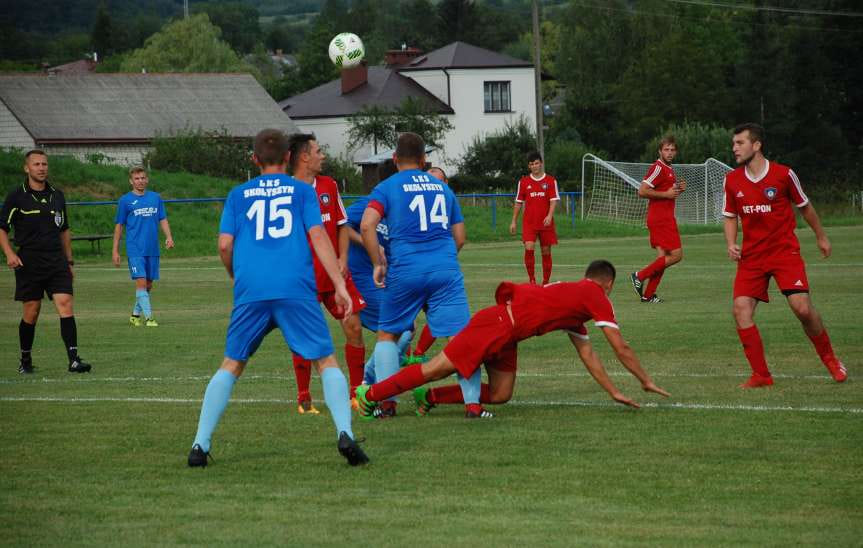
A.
pixel 496 95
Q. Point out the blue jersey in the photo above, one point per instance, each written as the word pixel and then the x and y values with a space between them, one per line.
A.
pixel 269 218
pixel 419 211
pixel 358 260
pixel 140 214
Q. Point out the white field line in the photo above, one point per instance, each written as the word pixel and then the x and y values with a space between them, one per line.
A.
pixel 582 374
pixel 520 403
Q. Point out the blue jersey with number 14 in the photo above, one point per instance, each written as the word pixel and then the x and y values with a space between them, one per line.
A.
pixel 269 217
pixel 419 211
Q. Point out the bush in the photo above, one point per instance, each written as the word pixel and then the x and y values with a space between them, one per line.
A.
pixel 696 142
pixel 213 153
pixel 496 161
pixel 345 172
pixel 563 160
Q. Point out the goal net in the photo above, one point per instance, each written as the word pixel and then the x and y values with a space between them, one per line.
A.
pixel 611 191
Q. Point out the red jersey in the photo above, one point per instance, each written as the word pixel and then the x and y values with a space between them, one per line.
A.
pixel 536 310
pixel 332 215
pixel 764 205
pixel 536 195
pixel 660 177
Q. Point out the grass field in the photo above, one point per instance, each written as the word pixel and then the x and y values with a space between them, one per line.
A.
pixel 100 458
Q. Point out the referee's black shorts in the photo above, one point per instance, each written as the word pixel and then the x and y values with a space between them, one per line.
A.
pixel 43 273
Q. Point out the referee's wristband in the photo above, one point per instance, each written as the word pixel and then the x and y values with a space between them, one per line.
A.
pixel 71 262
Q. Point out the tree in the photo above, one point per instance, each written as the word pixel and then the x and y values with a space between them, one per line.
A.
pixel 237 21
pixel 186 45
pixel 372 124
pixel 381 126
pixel 102 35
pixel 415 115
pixel 501 155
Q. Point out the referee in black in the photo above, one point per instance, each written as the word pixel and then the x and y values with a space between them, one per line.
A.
pixel 36 211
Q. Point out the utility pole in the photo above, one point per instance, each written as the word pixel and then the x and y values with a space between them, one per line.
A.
pixel 186 9
pixel 537 79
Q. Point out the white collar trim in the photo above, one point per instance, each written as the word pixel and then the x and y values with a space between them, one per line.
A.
pixel 535 179
pixel 760 176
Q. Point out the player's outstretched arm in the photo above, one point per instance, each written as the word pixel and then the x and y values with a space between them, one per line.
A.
pixel 627 357
pixel 115 247
pixel 226 252
pixel 459 234
pixel 729 227
pixel 811 217
pixel 327 255
pixel 369 232
pixel 597 371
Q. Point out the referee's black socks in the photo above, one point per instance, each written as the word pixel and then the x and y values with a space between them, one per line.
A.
pixel 26 334
pixel 69 332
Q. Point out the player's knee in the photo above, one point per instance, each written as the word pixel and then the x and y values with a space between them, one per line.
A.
pixel 500 396
pixel 742 314
pixel 675 257
pixel 804 311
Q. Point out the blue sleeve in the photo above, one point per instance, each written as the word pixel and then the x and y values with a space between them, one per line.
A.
pixel 162 213
pixel 455 216
pixel 355 212
pixel 120 217
pixel 228 224
pixel 311 211
pixel 379 194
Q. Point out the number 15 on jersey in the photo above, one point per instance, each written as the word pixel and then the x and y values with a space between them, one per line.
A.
pixel 437 214
pixel 278 215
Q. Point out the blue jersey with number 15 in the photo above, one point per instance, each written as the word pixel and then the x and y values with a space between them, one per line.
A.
pixel 269 217
pixel 419 211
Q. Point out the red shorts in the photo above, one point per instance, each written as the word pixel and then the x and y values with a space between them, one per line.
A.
pixel 329 300
pixel 487 339
pixel 547 234
pixel 753 277
pixel 664 234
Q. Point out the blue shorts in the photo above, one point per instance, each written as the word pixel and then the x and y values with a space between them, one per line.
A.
pixel 144 267
pixel 443 291
pixel 301 322
pixel 373 295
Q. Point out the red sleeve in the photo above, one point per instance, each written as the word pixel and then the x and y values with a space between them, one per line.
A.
pixel 341 214
pixel 652 174
pixel 797 195
pixel 601 310
pixel 377 206
pixel 729 202
pixel 579 332
pixel 555 194
pixel 519 195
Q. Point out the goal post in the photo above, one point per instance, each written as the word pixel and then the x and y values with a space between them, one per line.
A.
pixel 610 190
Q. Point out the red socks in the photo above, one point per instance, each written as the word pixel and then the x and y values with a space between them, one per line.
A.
pixel 451 393
pixel 425 341
pixel 754 350
pixel 650 290
pixel 303 372
pixel 406 379
pixel 355 356
pixel 546 268
pixel 529 261
pixel 823 347
pixel 652 269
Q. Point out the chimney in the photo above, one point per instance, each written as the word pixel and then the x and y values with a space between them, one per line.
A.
pixel 354 77
pixel 395 57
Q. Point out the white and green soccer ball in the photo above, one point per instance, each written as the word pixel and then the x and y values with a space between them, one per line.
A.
pixel 346 50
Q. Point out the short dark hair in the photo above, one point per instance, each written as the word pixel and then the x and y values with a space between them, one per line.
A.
pixel 756 132
pixel 601 269
pixel 667 140
pixel 297 144
pixel 31 152
pixel 271 146
pixel 410 147
pixel 534 156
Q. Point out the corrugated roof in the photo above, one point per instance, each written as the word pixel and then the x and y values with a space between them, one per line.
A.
pixel 137 107
pixel 385 88
pixel 463 55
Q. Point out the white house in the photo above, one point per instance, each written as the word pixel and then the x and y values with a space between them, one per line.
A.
pixel 480 91
pixel 118 115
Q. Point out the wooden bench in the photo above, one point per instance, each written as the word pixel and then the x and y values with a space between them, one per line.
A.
pixel 95 240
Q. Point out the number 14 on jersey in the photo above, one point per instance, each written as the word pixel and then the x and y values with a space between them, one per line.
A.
pixel 437 214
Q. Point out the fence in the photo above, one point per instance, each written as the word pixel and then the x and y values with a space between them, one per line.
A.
pixel 568 200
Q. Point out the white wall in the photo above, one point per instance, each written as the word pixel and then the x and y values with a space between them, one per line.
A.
pixel 12 133
pixel 470 119
pixel 124 155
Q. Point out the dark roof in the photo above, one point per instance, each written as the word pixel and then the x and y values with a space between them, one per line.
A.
pixel 385 88
pixel 84 66
pixel 137 107
pixel 463 55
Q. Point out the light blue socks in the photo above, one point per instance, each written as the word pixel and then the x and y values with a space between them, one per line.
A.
pixel 369 368
pixel 386 356
pixel 215 401
pixel 142 301
pixel 471 387
pixel 338 399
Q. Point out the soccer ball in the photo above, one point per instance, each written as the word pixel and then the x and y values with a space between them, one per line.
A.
pixel 346 50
